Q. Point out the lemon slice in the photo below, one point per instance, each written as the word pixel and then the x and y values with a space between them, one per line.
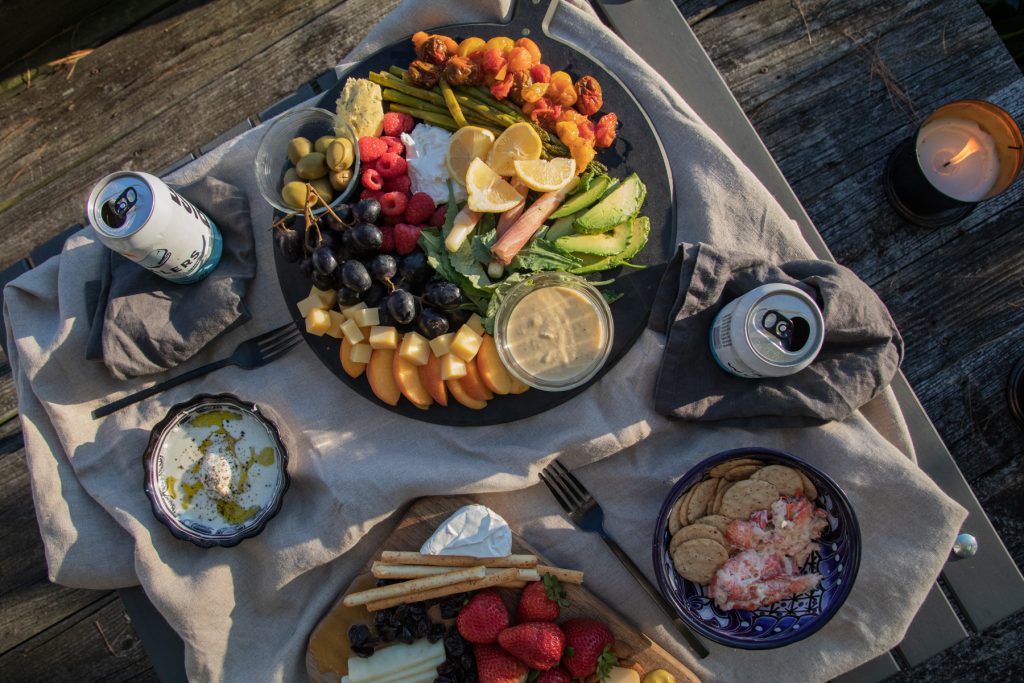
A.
pixel 468 143
pixel 546 176
pixel 488 191
pixel 519 141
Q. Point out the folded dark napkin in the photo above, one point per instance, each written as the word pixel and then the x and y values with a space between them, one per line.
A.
pixel 143 324
pixel 861 353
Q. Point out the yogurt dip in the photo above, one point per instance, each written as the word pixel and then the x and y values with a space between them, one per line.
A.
pixel 425 150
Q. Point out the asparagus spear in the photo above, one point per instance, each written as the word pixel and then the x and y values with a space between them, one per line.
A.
pixel 452 103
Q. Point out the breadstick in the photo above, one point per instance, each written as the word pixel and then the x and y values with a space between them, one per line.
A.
pixel 404 557
pixel 381 570
pixel 563 575
pixel 406 588
pixel 505 576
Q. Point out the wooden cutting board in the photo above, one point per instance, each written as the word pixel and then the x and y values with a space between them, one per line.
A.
pixel 327 651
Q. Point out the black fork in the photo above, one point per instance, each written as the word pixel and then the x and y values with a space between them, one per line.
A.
pixel 250 354
pixel 585 512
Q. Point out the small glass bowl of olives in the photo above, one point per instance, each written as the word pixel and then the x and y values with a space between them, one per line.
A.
pixel 302 146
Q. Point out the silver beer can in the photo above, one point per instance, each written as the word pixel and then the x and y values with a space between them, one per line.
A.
pixel 140 217
pixel 771 331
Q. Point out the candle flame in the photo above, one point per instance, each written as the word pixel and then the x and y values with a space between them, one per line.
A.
pixel 970 148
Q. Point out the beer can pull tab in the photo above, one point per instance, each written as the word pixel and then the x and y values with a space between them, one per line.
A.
pixel 791 333
pixel 115 211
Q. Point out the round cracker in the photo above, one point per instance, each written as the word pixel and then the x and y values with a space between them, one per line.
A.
pixel 741 472
pixel 810 492
pixel 702 495
pixel 748 496
pixel 720 522
pixel 716 505
pixel 721 468
pixel 786 479
pixel 698 559
pixel 681 514
pixel 696 531
pixel 673 516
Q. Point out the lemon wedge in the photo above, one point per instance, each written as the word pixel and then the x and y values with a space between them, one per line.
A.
pixel 468 143
pixel 488 191
pixel 546 176
pixel 519 141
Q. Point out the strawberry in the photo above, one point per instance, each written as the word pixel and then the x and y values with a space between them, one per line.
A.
pixel 556 675
pixel 406 237
pixel 484 616
pixel 588 646
pixel 538 645
pixel 494 665
pixel 540 600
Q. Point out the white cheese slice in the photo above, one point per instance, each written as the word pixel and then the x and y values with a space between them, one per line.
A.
pixel 394 660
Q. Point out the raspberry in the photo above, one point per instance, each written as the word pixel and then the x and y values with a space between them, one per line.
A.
pixel 405 238
pixel 420 209
pixel 370 148
pixel 397 122
pixel 389 238
pixel 369 194
pixel 399 184
pixel 371 179
pixel 391 165
pixel 393 203
pixel 393 220
pixel 437 219
pixel 395 145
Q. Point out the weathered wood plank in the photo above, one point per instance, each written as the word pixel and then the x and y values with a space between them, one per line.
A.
pixel 282 63
pixel 96 644
pixel 29 603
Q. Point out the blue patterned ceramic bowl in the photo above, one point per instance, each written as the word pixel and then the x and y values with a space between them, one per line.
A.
pixel 788 620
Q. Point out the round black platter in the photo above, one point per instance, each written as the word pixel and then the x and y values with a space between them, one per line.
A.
pixel 637 148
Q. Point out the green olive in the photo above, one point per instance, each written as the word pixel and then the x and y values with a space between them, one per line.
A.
pixel 321 143
pixel 339 154
pixel 294 194
pixel 298 148
pixel 323 188
pixel 290 176
pixel 311 166
pixel 340 179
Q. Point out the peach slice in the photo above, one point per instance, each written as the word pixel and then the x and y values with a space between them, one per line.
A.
pixel 473 384
pixel 459 394
pixel 518 387
pixel 351 368
pixel 380 374
pixel 492 370
pixel 430 375
pixel 407 377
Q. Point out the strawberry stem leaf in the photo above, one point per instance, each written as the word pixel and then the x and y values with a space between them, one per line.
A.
pixel 554 590
pixel 605 662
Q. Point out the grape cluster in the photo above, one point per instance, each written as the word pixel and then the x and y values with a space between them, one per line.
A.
pixel 346 250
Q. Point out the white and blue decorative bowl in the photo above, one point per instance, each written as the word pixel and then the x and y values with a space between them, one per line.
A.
pixel 787 621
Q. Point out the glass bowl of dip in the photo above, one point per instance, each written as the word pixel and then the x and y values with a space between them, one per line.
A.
pixel 553 331
pixel 216 470
pixel 272 160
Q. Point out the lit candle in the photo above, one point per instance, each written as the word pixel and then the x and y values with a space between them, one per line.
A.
pixel 958 158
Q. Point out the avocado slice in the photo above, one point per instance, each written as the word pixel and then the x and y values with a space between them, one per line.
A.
pixel 602 244
pixel 619 206
pixel 562 227
pixel 640 229
pixel 584 199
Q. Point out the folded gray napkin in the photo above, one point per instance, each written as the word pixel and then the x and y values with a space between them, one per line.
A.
pixel 143 324
pixel 861 353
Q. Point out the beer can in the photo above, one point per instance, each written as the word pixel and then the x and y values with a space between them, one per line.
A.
pixel 140 217
pixel 771 331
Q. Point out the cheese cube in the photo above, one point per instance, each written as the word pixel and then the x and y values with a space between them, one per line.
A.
pixel 337 320
pixel 352 332
pixel 318 322
pixel 308 304
pixel 327 298
pixel 351 310
pixel 360 353
pixel 415 349
pixel 383 337
pixel 452 367
pixel 441 344
pixel 476 324
pixel 466 343
pixel 367 317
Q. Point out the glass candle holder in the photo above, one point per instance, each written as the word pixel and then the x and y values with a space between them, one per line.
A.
pixel 964 153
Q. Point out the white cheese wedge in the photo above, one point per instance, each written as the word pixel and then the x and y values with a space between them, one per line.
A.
pixel 619 674
pixel 466 343
pixel 360 353
pixel 441 345
pixel 327 298
pixel 367 317
pixel 383 337
pixel 452 367
pixel 310 303
pixel 415 349
pixel 352 332
pixel 476 324
pixel 394 660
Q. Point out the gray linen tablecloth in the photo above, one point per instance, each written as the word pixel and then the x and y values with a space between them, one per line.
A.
pixel 245 612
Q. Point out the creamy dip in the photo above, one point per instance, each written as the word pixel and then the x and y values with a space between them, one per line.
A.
pixel 425 150
pixel 218 467
pixel 555 333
